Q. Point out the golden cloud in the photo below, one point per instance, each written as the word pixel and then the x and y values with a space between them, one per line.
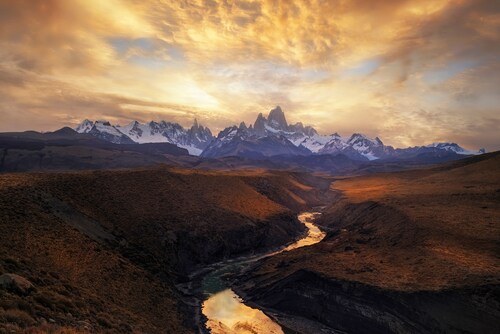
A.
pixel 431 65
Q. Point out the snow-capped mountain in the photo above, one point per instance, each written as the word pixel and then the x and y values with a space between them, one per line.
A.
pixel 454 147
pixel 276 124
pixel 194 139
pixel 245 141
pixel 268 136
pixel 305 138
pixel 357 146
pixel 85 126
pixel 103 130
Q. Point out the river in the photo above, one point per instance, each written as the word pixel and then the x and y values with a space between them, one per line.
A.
pixel 226 311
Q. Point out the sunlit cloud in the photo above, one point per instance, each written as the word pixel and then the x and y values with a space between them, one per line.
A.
pixel 410 72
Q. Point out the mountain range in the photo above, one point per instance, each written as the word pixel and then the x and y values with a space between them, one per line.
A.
pixel 194 139
pixel 267 137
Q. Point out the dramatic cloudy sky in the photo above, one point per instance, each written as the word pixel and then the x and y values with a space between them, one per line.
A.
pixel 411 72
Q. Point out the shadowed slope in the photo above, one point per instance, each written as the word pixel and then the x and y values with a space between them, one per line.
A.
pixel 413 251
pixel 104 249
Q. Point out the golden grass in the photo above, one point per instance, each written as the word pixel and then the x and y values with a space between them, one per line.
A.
pixel 423 229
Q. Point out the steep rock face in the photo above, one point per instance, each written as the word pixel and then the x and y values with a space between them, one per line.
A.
pixel 354 307
pixel 269 136
pixel 199 136
pixel 105 131
pixel 260 125
pixel 277 120
pixel 191 248
pixel 244 142
pixel 84 126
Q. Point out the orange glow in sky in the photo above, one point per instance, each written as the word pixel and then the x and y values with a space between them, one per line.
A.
pixel 410 72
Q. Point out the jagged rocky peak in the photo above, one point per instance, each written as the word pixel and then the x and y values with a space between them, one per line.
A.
pixel 260 125
pixel 194 139
pixel 454 147
pixel 299 126
pixel 203 133
pixel 198 126
pixel 277 119
pixel 228 133
pixel 310 131
pixel 272 134
pixel 154 125
pixel 84 126
pixel 135 129
pixel 358 138
pixel 103 122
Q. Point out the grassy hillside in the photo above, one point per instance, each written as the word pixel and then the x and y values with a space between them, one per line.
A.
pixel 104 249
pixel 424 242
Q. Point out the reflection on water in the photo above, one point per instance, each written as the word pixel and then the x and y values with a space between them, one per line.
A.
pixel 226 312
pixel 314 234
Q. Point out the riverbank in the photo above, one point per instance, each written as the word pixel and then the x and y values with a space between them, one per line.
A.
pixel 104 249
pixel 406 252
pixel 223 311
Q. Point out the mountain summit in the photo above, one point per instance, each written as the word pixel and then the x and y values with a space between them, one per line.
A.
pixel 274 136
pixel 194 139
pixel 277 119
pixel 267 137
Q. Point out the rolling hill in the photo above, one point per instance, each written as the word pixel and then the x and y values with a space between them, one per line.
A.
pixel 412 251
pixel 103 250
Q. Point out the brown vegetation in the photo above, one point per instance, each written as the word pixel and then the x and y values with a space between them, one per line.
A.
pixel 104 249
pixel 433 230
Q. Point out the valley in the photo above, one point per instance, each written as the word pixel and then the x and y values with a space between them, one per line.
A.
pixel 224 311
pixel 405 252
pixel 104 250
pixel 249 167
pixel 123 229
pixel 139 250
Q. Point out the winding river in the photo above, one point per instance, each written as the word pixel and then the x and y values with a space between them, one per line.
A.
pixel 226 311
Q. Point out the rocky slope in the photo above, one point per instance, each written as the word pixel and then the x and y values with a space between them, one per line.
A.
pixel 103 250
pixel 406 252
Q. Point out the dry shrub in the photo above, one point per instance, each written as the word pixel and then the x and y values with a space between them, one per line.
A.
pixel 55 301
pixel 104 321
pixel 54 329
pixel 18 317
